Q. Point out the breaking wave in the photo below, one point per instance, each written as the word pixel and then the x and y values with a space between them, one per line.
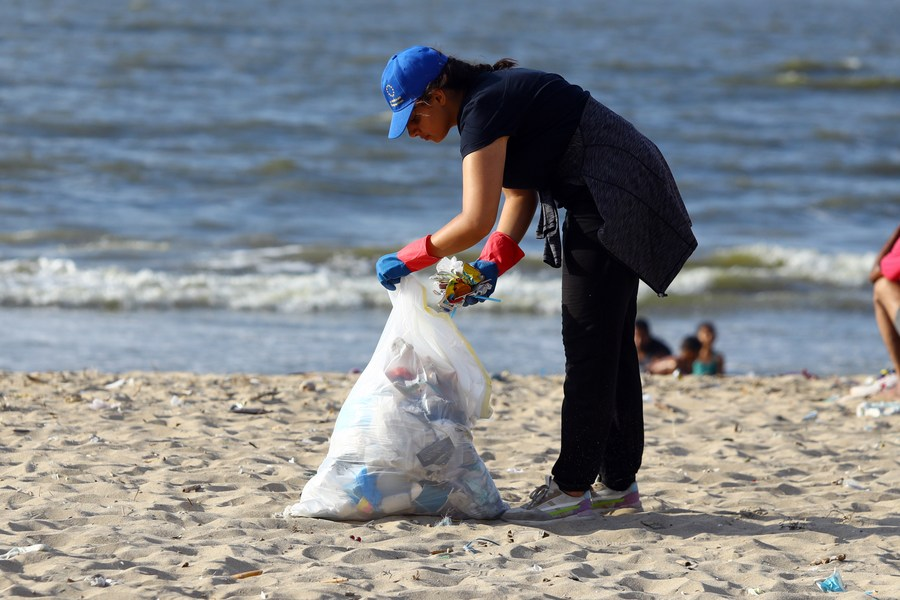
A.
pixel 303 280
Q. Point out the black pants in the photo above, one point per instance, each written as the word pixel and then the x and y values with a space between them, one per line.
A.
pixel 602 411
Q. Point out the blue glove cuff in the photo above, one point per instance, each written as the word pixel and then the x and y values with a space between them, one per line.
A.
pixel 391 270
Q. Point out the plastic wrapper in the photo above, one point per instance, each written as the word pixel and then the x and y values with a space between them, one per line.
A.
pixel 834 583
pixel 402 442
pixel 456 280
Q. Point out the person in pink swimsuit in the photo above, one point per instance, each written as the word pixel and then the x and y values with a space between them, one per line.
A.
pixel 885 278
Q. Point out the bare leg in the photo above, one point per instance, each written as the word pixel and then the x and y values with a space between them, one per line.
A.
pixel 886 298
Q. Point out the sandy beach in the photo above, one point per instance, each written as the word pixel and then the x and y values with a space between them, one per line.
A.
pixel 150 485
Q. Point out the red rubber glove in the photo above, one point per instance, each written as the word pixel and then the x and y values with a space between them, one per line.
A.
pixel 499 255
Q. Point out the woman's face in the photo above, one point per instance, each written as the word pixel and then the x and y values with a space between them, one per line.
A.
pixel 431 119
pixel 706 335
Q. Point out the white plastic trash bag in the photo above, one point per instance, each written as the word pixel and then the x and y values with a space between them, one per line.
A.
pixel 402 443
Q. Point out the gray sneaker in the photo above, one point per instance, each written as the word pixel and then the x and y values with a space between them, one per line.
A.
pixel 606 500
pixel 549 502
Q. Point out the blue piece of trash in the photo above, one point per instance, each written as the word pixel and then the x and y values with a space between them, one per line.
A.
pixel 832 584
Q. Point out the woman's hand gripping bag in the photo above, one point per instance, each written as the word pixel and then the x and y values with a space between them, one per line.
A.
pixel 402 442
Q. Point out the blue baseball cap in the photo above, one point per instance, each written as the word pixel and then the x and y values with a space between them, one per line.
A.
pixel 404 80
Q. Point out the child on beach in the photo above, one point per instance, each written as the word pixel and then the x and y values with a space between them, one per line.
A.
pixel 532 138
pixel 681 363
pixel 649 348
pixel 708 362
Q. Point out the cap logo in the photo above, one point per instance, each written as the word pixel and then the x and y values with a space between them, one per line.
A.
pixel 390 92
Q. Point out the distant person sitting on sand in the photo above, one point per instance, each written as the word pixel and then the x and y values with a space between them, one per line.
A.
pixel 681 363
pixel 885 278
pixel 649 348
pixel 709 362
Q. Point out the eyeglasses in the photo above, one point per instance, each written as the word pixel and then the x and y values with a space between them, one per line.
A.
pixel 416 115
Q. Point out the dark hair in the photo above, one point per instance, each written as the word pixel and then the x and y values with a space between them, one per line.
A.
pixel 691 343
pixel 708 325
pixel 642 324
pixel 459 74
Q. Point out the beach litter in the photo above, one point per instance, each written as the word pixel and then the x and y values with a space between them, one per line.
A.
pixel 22 550
pixel 114 385
pixel 455 281
pixel 98 404
pixel 828 559
pixel 247 574
pixel 100 581
pixel 873 386
pixel 247 410
pixel 470 547
pixel 854 484
pixel 877 409
pixel 834 583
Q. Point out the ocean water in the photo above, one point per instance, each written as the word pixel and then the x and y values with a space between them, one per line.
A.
pixel 206 185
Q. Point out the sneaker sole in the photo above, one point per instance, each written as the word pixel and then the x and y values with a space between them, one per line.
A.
pixel 516 514
pixel 631 501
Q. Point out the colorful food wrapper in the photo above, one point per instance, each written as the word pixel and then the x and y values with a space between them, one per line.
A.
pixel 455 281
